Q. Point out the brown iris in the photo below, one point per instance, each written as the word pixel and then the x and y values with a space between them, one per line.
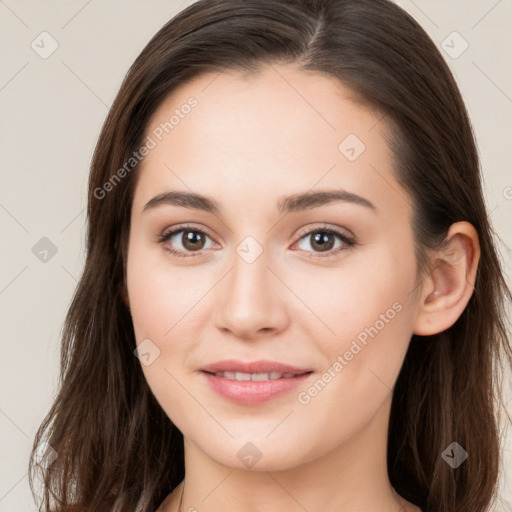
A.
pixel 321 239
pixel 192 240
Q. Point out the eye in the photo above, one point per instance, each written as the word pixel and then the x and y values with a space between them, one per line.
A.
pixel 323 240
pixel 188 239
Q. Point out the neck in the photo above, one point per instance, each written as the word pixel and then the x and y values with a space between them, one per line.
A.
pixel 351 477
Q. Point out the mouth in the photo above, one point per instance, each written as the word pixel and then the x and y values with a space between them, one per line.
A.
pixel 261 367
pixel 253 383
pixel 243 376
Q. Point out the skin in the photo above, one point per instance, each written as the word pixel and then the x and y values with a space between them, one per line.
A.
pixel 250 141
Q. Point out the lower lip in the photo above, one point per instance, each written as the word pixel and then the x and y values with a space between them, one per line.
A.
pixel 250 392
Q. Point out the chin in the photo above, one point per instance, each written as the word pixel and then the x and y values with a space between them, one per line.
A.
pixel 258 455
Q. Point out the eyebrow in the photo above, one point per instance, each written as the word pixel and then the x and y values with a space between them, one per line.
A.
pixel 293 203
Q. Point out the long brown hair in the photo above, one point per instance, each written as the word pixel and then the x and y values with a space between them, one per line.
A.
pixel 117 449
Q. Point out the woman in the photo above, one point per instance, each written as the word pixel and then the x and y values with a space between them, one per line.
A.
pixel 292 298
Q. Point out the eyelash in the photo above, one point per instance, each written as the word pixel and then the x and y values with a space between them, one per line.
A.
pixel 347 241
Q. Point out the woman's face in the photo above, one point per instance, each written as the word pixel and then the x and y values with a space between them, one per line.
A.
pixel 259 278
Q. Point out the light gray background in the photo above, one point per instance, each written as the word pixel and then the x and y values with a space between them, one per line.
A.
pixel 51 113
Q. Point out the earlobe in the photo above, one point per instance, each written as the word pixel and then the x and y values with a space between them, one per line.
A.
pixel 447 289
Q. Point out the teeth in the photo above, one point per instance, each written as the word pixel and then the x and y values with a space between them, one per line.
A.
pixel 259 376
pixel 254 376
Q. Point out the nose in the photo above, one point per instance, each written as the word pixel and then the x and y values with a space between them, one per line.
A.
pixel 251 301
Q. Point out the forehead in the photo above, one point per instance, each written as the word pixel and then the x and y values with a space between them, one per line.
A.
pixel 281 128
pixel 276 109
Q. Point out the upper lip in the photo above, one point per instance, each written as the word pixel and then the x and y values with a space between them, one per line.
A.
pixel 261 366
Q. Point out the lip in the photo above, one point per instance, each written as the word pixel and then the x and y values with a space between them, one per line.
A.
pixel 261 366
pixel 253 392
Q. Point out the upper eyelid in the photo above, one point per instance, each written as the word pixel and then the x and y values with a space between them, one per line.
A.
pixel 174 230
pixel 336 230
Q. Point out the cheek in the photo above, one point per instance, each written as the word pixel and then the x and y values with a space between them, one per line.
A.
pixel 369 311
pixel 159 303
pixel 366 292
pixel 364 361
pixel 160 295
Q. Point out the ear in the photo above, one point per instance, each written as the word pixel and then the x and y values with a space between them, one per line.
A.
pixel 447 289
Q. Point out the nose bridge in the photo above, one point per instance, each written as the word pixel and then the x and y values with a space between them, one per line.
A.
pixel 250 301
